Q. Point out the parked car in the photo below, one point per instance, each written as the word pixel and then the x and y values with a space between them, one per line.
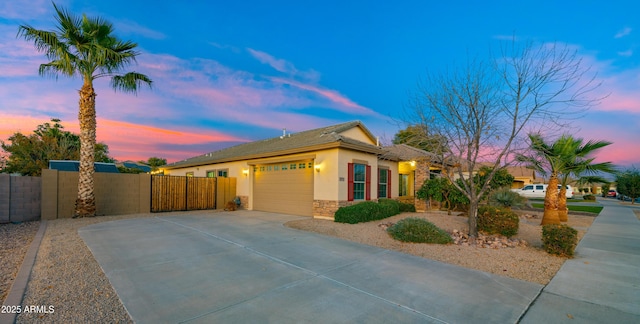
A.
pixel 612 193
pixel 539 191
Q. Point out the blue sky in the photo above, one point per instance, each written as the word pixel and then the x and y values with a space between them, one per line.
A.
pixel 231 71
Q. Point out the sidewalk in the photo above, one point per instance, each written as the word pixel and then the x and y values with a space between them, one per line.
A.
pixel 602 283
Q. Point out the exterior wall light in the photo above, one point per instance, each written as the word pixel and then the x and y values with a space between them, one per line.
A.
pixel 245 172
pixel 413 163
pixel 317 168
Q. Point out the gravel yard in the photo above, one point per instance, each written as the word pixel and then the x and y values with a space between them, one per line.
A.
pixel 67 277
pixel 14 243
pixel 529 263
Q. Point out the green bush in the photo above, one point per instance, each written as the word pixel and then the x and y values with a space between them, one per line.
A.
pixel 389 206
pixel 418 230
pixel 497 220
pixel 589 197
pixel 559 239
pixel 506 198
pixel 405 207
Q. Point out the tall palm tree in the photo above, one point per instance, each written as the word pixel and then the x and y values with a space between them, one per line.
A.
pixel 548 160
pixel 579 165
pixel 85 47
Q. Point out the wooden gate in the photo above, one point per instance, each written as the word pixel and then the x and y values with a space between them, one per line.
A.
pixel 173 193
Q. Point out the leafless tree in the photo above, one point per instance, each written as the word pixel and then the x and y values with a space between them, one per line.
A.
pixel 484 110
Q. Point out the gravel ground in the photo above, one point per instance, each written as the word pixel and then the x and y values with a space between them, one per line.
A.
pixel 15 240
pixel 528 263
pixel 67 277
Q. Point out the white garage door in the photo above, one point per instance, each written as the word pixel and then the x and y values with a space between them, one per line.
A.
pixel 285 187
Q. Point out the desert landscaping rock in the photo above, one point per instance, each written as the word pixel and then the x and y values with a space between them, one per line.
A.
pixel 14 240
pixel 521 257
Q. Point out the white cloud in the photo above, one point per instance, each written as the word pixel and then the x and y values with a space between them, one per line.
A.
pixel 624 32
pixel 627 53
pixel 284 66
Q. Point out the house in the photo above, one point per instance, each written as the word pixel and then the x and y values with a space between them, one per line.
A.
pixel 310 173
pixel 522 176
pixel 69 165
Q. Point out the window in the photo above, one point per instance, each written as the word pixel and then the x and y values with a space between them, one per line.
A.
pixel 276 167
pixel 218 173
pixel 383 183
pixel 302 166
pixel 190 174
pixel 359 182
pixel 434 174
pixel 284 167
pixel 404 185
pixel 359 178
pixel 292 166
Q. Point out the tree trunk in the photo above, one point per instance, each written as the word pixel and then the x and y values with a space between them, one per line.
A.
pixel 550 215
pixel 563 212
pixel 86 202
pixel 473 219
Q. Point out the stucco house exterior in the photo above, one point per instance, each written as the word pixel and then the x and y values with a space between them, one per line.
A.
pixel 313 172
pixel 522 176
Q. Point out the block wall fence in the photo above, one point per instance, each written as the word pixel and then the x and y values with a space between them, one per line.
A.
pixel 116 194
pixel 19 198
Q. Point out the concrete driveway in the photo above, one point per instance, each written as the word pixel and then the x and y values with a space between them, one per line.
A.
pixel 246 267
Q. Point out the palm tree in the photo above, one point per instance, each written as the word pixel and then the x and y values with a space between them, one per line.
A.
pixel 579 165
pixel 548 160
pixel 85 47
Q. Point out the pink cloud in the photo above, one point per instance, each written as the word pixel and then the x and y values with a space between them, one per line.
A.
pixel 341 102
pixel 127 141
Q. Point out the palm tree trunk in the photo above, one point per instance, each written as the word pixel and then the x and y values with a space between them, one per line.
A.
pixel 550 215
pixel 563 212
pixel 86 202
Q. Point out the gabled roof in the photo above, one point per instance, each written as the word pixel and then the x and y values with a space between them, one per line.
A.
pixel 406 153
pixel 136 165
pixel 306 141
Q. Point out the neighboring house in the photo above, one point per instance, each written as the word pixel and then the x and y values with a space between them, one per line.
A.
pixel 310 173
pixel 522 176
pixel 134 165
pixel 69 165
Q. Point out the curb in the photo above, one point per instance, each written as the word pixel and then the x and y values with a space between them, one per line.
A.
pixel 19 286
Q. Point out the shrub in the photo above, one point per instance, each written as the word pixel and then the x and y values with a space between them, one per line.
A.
pixel 405 207
pixel 506 198
pixel 589 197
pixel 418 230
pixel 390 206
pixel 496 220
pixel 559 239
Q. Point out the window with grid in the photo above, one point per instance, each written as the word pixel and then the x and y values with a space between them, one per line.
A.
pixel 359 180
pixel 383 183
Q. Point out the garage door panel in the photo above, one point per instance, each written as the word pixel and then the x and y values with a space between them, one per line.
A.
pixel 284 191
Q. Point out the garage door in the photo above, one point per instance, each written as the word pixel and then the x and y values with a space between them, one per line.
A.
pixel 285 187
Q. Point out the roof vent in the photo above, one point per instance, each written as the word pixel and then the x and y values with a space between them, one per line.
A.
pixel 284 133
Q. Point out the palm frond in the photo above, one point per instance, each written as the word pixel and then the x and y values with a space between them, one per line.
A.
pixel 130 82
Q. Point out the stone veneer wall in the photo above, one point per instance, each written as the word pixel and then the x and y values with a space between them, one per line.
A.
pixel 421 174
pixel 244 202
pixel 327 208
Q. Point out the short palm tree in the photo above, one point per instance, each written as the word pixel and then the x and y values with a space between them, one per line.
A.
pixel 579 165
pixel 548 160
pixel 85 47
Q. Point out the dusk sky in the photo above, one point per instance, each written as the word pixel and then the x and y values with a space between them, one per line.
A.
pixel 227 72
